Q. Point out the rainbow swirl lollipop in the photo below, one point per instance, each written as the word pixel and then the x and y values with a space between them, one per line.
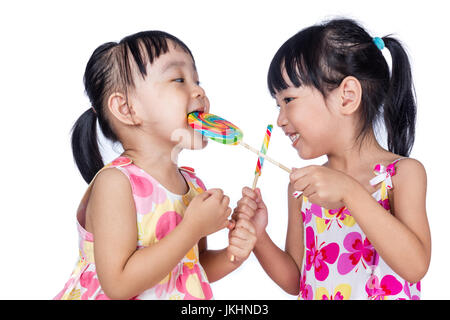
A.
pixel 215 128
pixel 223 131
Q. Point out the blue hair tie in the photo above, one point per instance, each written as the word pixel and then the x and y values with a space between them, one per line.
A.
pixel 378 42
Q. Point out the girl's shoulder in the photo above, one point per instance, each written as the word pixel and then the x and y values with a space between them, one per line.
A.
pixel 407 167
pixel 107 177
pixel 110 181
pixel 408 172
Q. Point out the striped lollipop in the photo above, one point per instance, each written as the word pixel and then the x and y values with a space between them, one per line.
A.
pixel 215 127
pixel 264 148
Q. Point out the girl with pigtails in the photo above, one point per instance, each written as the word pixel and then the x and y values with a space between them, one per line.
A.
pixel 357 226
pixel 143 220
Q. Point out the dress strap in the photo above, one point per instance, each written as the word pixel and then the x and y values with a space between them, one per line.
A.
pixel 384 174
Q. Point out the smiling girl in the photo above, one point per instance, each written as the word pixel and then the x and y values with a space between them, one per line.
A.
pixel 360 229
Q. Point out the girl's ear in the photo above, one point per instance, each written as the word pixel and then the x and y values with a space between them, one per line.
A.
pixel 122 111
pixel 350 95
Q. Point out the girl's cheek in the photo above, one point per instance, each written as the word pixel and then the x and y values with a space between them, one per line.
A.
pixel 294 117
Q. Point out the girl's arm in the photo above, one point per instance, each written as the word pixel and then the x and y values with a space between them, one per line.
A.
pixel 403 237
pixel 283 267
pixel 216 263
pixel 124 271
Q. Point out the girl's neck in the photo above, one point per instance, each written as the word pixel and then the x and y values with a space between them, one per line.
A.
pixel 159 161
pixel 151 160
pixel 358 156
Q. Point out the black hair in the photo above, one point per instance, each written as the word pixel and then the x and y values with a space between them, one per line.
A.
pixel 110 68
pixel 323 55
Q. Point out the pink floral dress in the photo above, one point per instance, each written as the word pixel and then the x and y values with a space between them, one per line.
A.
pixel 339 261
pixel 158 212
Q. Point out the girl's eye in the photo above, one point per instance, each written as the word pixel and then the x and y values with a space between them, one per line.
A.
pixel 287 100
pixel 181 80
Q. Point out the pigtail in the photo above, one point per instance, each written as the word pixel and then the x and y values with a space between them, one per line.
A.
pixel 85 146
pixel 400 103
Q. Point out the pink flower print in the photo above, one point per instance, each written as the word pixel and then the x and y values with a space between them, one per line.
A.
pixel 166 223
pixel 89 281
pixel 358 251
pixel 379 290
pixel 319 256
pixel 315 209
pixel 391 169
pixel 190 283
pixel 407 291
pixel 337 296
pixel 341 292
pixel 385 204
pixel 306 291
pixel 340 214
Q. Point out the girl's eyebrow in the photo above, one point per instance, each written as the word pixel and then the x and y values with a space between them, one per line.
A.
pixel 174 64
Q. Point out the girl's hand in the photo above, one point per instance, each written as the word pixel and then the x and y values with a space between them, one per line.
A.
pixel 253 208
pixel 242 240
pixel 321 185
pixel 208 212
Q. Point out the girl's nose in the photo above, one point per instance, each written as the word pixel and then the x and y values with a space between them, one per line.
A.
pixel 198 92
pixel 282 120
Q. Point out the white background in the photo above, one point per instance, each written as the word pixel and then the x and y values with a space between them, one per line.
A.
pixel 44 49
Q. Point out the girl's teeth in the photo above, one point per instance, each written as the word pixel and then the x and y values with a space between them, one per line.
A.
pixel 294 137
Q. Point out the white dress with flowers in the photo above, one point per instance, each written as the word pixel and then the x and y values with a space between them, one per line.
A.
pixel 158 212
pixel 340 263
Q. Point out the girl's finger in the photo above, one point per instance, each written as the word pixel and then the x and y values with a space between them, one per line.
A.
pixel 298 173
pixel 231 224
pixel 246 224
pixel 301 183
pixel 242 216
pixel 248 201
pixel 235 214
pixel 242 233
pixel 246 191
pixel 246 210
pixel 226 201
pixel 238 242
pixel 259 200
pixel 227 212
pixel 309 191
